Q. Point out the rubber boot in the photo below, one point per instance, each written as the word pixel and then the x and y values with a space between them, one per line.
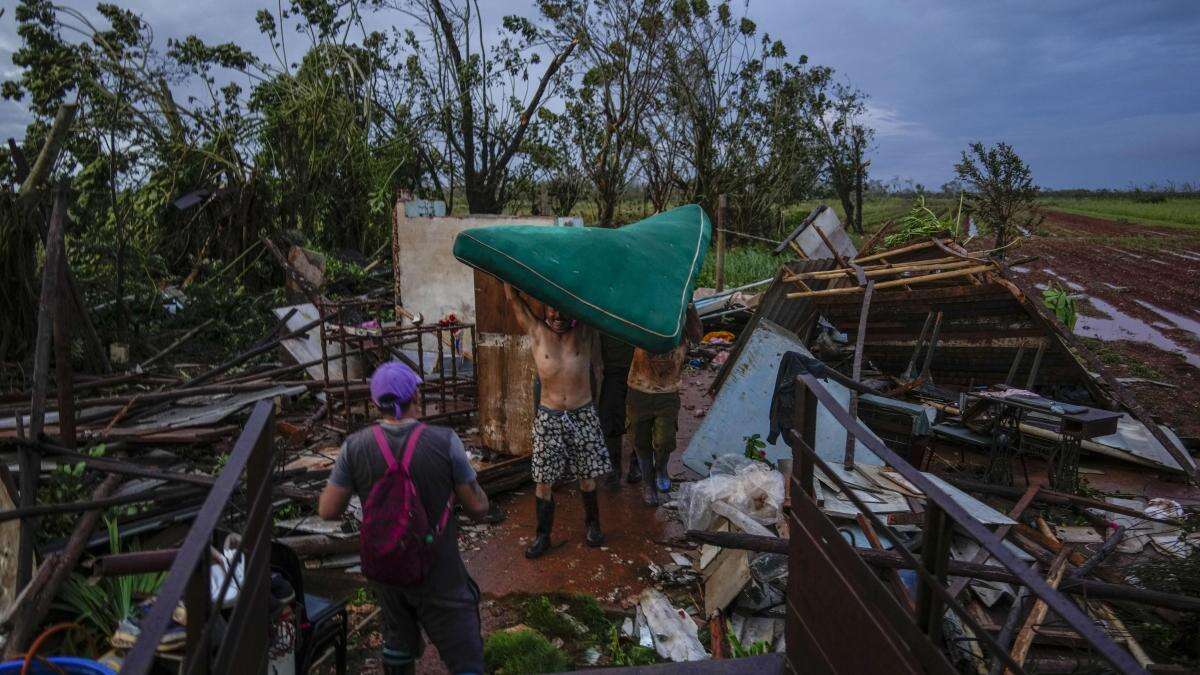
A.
pixel 545 522
pixel 591 518
pixel 661 478
pixel 635 471
pixel 649 491
pixel 613 479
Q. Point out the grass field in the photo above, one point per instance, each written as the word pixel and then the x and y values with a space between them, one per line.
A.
pixel 743 265
pixel 1180 212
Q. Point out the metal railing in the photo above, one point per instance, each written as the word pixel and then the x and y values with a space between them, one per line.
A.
pixel 243 646
pixel 841 617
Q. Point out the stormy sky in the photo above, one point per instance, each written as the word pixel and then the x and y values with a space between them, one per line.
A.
pixel 1092 93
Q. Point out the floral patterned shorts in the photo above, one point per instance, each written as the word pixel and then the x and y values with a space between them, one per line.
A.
pixel 568 444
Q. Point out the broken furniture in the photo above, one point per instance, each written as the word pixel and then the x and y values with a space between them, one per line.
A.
pixel 361 331
pixel 1008 409
pixel 323 623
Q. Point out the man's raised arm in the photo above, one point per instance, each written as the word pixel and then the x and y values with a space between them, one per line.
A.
pixel 525 318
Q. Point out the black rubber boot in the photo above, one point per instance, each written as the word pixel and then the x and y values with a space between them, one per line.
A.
pixel 649 490
pixel 613 480
pixel 591 511
pixel 545 522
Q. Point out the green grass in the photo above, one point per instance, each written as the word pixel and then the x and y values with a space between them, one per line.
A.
pixel 1180 212
pixel 743 265
pixel 523 651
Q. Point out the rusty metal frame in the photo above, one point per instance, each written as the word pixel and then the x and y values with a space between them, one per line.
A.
pixel 244 646
pixel 450 391
pixel 819 561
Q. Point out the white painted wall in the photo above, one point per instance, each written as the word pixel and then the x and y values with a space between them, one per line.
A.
pixel 432 282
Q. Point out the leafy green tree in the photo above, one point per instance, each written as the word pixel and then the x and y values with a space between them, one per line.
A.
pixel 620 43
pixel 732 106
pixel 467 90
pixel 836 116
pixel 999 189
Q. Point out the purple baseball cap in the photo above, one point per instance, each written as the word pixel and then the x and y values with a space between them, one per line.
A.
pixel 393 385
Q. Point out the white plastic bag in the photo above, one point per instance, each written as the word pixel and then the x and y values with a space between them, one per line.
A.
pixel 751 487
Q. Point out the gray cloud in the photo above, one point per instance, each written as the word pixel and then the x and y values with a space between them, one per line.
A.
pixel 1091 94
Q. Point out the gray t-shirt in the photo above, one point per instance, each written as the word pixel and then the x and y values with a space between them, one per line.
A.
pixel 439 463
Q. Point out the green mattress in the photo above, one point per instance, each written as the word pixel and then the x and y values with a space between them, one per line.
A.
pixel 632 283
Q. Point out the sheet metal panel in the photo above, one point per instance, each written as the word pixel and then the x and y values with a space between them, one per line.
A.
pixel 741 407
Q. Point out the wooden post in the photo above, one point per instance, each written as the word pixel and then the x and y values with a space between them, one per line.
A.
pixel 935 558
pixel 31 460
pixel 856 370
pixel 62 356
pixel 397 216
pixel 722 223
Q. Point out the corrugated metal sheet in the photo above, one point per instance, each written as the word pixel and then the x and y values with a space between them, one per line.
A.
pixel 793 314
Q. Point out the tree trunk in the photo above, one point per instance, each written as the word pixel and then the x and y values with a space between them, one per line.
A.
pixel 858 188
pixel 482 199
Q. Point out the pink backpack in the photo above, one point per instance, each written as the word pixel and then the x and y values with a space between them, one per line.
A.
pixel 398 543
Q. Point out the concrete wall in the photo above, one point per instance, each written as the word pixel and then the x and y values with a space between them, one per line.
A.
pixel 432 282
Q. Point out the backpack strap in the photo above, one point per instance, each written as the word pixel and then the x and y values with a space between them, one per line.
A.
pixel 413 437
pixel 385 448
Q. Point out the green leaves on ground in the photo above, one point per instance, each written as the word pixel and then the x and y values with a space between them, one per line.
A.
pixel 922 223
pixel 1058 300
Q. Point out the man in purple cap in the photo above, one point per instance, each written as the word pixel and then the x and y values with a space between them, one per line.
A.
pixel 568 441
pixel 446 603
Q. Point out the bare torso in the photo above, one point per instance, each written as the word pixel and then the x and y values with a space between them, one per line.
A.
pixel 563 366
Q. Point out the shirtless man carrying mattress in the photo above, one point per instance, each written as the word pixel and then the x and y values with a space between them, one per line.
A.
pixel 568 442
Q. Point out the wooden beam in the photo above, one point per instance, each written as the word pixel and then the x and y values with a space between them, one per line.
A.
pixel 30 458
pixel 722 223
pixel 1037 613
pixel 892 575
pixel 896 251
pixel 954 274
pixel 884 269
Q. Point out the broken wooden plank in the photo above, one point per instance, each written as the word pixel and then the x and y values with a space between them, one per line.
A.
pixel 740 519
pixel 1037 613
pixel 724 578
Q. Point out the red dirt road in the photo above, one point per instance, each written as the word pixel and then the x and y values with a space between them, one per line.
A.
pixel 1139 289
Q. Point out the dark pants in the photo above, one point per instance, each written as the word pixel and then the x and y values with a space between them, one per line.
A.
pixel 451 621
pixel 611 407
pixel 653 418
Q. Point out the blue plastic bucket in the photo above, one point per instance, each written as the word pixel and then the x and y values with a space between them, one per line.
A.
pixel 71 664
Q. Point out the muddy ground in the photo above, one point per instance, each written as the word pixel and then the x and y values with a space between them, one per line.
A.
pixel 615 573
pixel 1138 289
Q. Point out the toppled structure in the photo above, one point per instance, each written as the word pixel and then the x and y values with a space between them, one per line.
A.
pixel 864 376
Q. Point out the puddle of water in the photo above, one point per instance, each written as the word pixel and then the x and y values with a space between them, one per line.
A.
pixel 1020 270
pixel 1066 282
pixel 1186 256
pixel 1121 326
pixel 1185 323
pixel 1117 250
